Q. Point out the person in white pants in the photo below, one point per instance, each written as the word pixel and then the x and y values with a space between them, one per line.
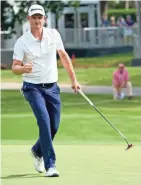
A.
pixel 120 81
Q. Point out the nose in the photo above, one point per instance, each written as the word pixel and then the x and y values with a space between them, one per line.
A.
pixel 37 22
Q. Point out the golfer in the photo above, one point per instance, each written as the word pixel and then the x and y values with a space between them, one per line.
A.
pixel 120 81
pixel 35 58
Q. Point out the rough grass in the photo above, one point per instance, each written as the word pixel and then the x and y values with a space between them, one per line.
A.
pixel 90 76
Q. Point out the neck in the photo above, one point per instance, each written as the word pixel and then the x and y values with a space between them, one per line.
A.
pixel 37 33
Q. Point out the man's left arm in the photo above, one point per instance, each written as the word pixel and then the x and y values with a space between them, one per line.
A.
pixel 66 61
pixel 126 77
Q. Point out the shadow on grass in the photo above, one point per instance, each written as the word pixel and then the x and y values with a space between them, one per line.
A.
pixel 21 176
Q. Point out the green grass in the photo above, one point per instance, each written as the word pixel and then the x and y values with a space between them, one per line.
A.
pixel 104 61
pixel 88 150
pixel 99 76
pixel 94 71
pixel 78 164
pixel 79 121
pixel 91 76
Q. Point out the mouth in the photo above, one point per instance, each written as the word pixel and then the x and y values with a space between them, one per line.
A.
pixel 37 24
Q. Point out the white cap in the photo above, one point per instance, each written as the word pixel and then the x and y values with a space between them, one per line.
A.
pixel 36 9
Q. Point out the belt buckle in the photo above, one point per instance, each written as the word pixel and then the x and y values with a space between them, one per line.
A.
pixel 43 85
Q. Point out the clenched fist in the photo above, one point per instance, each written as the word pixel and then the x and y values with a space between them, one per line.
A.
pixel 27 68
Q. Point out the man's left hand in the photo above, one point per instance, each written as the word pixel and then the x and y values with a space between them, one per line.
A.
pixel 75 86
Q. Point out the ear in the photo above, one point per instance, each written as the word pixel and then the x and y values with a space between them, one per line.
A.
pixel 45 18
pixel 28 17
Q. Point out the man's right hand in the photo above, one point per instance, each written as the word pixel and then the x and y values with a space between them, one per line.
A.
pixel 27 68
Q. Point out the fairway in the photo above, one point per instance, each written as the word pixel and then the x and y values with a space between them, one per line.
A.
pixel 88 150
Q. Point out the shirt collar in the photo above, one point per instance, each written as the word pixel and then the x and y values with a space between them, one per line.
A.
pixel 43 36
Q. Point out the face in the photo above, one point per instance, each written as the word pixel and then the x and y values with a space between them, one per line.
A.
pixel 36 21
pixel 122 19
pixel 105 17
pixel 121 69
pixel 128 17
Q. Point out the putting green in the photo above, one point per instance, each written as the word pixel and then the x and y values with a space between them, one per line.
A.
pixel 78 164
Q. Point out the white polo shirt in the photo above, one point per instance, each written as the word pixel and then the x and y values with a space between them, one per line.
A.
pixel 41 53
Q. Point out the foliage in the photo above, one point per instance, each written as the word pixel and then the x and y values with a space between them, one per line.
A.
pixel 120 5
pixel 7 18
pixel 22 8
pixel 103 6
pixel 74 4
pixel 54 6
pixel 122 12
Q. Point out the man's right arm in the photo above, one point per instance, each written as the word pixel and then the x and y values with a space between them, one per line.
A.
pixel 18 68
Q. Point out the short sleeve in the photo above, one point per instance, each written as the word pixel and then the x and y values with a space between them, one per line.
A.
pixel 18 51
pixel 59 42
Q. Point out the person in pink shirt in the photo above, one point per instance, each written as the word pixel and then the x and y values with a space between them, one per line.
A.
pixel 120 81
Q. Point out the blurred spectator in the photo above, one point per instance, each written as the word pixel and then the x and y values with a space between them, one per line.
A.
pixel 112 31
pixel 113 21
pixel 117 32
pixel 120 81
pixel 129 21
pixel 104 21
pixel 121 24
pixel 129 30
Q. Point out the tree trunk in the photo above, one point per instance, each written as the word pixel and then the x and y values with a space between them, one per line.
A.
pixel 127 4
pixel 103 7
pixel 137 44
pixel 138 13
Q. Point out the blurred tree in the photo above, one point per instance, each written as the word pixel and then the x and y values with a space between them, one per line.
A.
pixel 54 6
pixel 22 8
pixel 116 4
pixel 121 4
pixel 7 17
pixel 74 4
pixel 132 4
pixel 103 7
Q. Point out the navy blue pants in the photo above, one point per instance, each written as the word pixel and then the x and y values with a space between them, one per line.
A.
pixel 44 100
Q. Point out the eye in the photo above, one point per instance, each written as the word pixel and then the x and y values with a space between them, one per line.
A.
pixel 40 17
pixel 34 17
